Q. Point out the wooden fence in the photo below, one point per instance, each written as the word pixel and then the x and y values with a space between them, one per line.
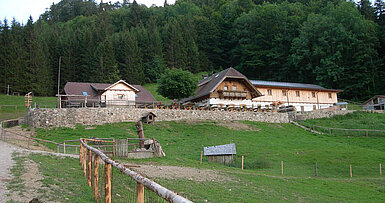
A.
pixel 89 154
pixel 343 131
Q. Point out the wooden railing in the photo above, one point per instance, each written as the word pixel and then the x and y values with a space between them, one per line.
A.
pixel 89 154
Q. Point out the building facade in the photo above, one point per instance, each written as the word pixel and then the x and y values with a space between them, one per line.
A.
pixel 231 88
pixel 304 97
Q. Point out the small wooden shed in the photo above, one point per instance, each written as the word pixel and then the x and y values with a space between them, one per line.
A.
pixel 148 118
pixel 221 153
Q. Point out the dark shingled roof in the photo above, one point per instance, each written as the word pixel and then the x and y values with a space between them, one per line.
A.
pixel 208 85
pixel 290 85
pixel 93 90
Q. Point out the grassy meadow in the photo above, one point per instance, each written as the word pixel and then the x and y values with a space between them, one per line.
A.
pixel 356 120
pixel 17 107
pixel 264 146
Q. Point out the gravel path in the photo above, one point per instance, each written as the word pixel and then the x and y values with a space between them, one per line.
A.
pixel 6 163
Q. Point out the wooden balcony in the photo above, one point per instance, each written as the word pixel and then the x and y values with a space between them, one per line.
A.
pixel 232 94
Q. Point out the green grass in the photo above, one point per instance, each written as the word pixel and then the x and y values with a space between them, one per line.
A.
pixel 11 112
pixel 151 87
pixel 356 120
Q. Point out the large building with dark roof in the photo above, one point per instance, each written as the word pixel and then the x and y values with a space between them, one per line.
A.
pixel 230 88
pixel 226 88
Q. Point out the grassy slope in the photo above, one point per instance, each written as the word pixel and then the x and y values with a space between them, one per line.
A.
pixel 356 120
pixel 21 110
pixel 264 149
pixel 151 87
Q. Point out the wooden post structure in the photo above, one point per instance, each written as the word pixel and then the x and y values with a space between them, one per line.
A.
pixel 107 183
pixel 140 193
pixel 380 169
pixel 80 153
pixel 139 127
pixel 242 162
pixel 89 168
pixel 351 172
pixel 84 160
pixel 64 147
pixel 316 169
pixel 281 167
pixel 96 177
pixel 201 157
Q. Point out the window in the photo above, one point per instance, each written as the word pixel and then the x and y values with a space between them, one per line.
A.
pixel 234 88
pixel 302 108
pixel 120 96
pixel 225 88
pixel 330 95
pixel 297 93
pixel 269 92
pixel 313 94
pixel 314 107
pixel 284 93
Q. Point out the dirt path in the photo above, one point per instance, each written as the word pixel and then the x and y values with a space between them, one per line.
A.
pixel 178 172
pixel 6 163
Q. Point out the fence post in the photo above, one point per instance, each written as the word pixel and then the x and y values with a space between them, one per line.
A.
pixel 57 150
pixel 281 167
pixel 64 147
pixel 330 131
pixel 89 166
pixel 84 160
pixel 380 169
pixel 80 152
pixel 316 169
pixel 201 157
pixel 28 142
pixel 107 182
pixel 367 133
pixel 96 177
pixel 351 172
pixel 140 193
pixel 242 163
pixel 76 150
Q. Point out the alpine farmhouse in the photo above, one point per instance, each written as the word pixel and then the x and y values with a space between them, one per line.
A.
pixel 231 88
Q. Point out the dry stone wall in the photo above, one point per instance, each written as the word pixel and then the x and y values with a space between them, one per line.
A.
pixel 69 117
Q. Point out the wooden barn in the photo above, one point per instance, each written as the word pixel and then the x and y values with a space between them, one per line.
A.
pixel 221 153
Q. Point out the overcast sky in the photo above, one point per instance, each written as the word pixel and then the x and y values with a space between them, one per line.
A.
pixel 22 9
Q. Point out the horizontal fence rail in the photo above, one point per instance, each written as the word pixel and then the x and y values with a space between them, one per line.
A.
pixel 343 131
pixel 86 162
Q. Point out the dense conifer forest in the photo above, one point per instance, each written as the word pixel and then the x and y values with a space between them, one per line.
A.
pixel 334 43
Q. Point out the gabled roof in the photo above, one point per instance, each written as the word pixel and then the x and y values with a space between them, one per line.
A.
pixel 124 82
pixel 208 85
pixel 262 83
pixel 94 89
pixel 374 97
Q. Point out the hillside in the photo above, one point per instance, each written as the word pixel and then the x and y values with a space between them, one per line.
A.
pixel 290 41
pixel 264 147
pixel 14 106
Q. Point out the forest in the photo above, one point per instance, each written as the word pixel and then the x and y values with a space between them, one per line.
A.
pixel 333 43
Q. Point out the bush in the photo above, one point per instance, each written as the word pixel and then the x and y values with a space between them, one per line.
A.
pixel 177 84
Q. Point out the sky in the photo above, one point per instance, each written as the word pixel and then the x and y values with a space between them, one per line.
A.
pixel 22 9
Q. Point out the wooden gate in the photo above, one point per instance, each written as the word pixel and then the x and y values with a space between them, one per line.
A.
pixel 121 148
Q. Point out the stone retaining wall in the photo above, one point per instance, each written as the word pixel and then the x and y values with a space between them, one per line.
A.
pixel 42 118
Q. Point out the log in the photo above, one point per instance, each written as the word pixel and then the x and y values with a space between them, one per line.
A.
pixel 139 127
pixel 163 192
pixel 89 167
pixel 96 177
pixel 140 193
pixel 107 183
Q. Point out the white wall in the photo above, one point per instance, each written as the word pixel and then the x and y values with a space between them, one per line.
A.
pixel 111 95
